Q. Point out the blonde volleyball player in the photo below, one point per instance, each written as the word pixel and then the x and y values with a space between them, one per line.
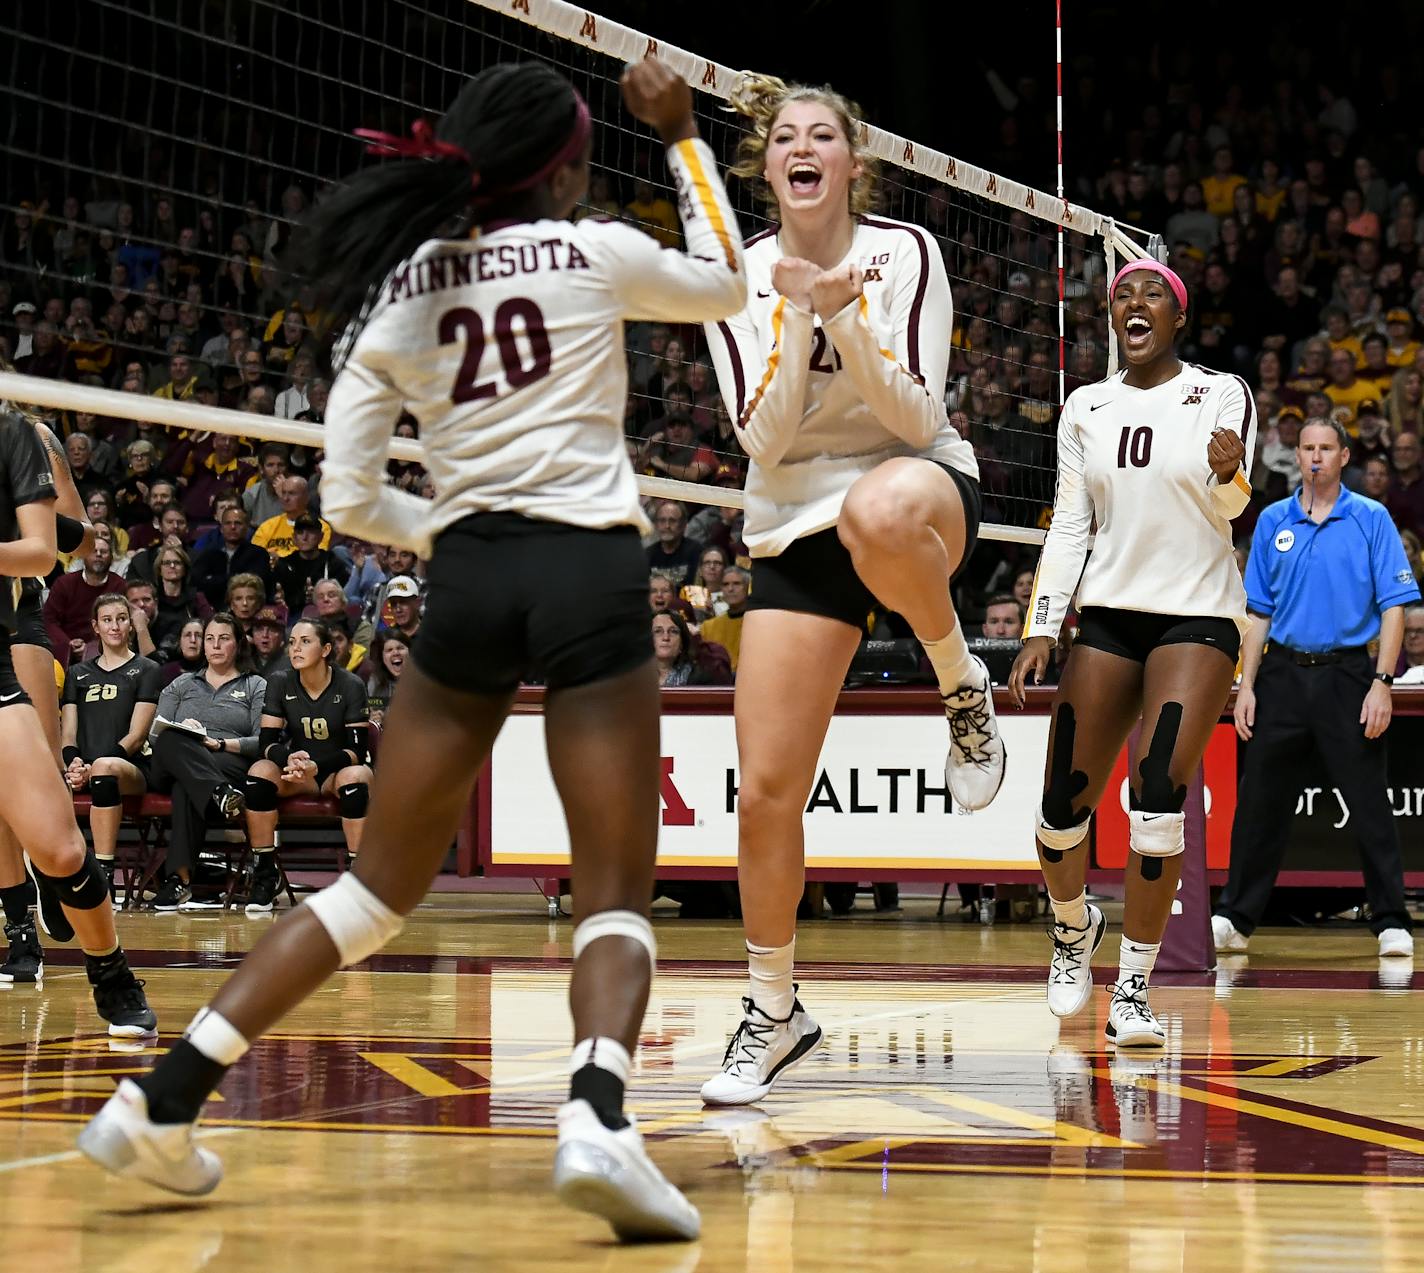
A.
pixel 507 346
pixel 1155 456
pixel 859 491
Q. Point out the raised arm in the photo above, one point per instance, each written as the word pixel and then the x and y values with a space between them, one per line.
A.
pixel 708 281
pixel 903 385
pixel 763 382
pixel 1236 414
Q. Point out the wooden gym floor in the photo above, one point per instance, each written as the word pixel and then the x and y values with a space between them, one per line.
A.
pixel 402 1120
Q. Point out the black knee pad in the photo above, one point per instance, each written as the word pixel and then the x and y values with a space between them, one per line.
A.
pixel 86 890
pixel 1064 782
pixel 353 798
pixel 1156 790
pixel 104 791
pixel 259 794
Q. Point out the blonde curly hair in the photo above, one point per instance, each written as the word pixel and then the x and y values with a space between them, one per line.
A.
pixel 761 98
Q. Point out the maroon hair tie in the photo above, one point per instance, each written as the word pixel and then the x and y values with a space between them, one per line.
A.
pixel 421 144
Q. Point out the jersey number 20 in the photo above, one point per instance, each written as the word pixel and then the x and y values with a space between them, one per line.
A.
pixel 467 323
pixel 1134 445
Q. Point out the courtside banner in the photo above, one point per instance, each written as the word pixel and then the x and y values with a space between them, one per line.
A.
pixel 879 800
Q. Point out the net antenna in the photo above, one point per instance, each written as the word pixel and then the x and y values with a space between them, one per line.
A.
pixel 1027 267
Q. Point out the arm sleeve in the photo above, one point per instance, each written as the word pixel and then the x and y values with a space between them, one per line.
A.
pixel 1394 581
pixel 765 393
pixel 1260 595
pixel 708 281
pixel 1066 547
pixel 150 683
pixel 1237 412
pixel 272 699
pixel 363 408
pixel 903 386
pixel 269 738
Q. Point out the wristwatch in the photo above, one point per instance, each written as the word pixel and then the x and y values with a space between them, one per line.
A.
pixel 1384 678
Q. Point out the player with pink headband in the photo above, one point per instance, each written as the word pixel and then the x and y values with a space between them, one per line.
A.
pixel 1156 457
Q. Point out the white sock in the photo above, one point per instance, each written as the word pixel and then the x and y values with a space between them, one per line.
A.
pixel 216 1038
pixel 1136 960
pixel 606 1054
pixel 770 981
pixel 1072 914
pixel 949 656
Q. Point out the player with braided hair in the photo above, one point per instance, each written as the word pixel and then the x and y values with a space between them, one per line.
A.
pixel 497 323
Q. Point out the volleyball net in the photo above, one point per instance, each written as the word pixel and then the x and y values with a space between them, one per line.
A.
pixel 157 161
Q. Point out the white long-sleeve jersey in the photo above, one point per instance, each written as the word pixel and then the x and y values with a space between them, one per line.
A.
pixel 817 405
pixel 508 349
pixel 1133 462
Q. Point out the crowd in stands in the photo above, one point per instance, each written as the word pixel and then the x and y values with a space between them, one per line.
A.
pixel 1297 232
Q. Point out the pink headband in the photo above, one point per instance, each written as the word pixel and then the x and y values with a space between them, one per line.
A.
pixel 1173 279
pixel 423 144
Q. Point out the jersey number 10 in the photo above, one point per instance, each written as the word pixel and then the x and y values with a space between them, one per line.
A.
pixel 467 323
pixel 1134 445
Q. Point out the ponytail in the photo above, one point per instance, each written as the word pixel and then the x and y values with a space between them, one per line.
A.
pixel 510 127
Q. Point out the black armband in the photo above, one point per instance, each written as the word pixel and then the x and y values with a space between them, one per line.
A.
pixel 357 737
pixel 70 755
pixel 68 533
pixel 118 753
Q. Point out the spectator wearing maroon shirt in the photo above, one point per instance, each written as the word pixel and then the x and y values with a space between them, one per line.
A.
pixel 210 470
pixel 69 608
pixel 1406 491
pixel 162 491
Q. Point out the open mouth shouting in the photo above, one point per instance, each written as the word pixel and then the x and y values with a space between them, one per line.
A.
pixel 1137 331
pixel 804 179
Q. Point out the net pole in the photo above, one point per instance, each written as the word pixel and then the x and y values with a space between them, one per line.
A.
pixel 1062 199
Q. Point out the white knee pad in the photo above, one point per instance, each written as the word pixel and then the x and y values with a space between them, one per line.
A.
pixel 1061 839
pixel 355 919
pixel 616 924
pixel 1157 835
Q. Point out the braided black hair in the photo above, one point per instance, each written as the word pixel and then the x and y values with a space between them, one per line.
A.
pixel 509 120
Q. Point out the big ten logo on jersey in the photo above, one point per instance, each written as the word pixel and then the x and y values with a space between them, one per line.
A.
pixel 872 266
pixel 676 812
pixel 1195 393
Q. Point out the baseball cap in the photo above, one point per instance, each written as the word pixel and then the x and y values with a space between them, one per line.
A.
pixel 1291 413
pixel 1396 315
pixel 306 521
pixel 402 586
pixel 1367 406
pixel 24 307
pixel 275 615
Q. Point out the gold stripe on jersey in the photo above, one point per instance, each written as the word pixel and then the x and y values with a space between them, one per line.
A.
pixel 865 314
pixel 687 151
pixel 1033 599
pixel 772 361
pixel 1242 484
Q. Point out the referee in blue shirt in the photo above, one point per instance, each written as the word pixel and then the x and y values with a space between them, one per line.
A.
pixel 1327 575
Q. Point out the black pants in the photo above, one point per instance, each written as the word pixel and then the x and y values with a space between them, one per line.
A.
pixel 189 773
pixel 1298 708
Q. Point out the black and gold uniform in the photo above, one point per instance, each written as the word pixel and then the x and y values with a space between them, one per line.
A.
pixel 330 728
pixel 106 698
pixel 26 476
